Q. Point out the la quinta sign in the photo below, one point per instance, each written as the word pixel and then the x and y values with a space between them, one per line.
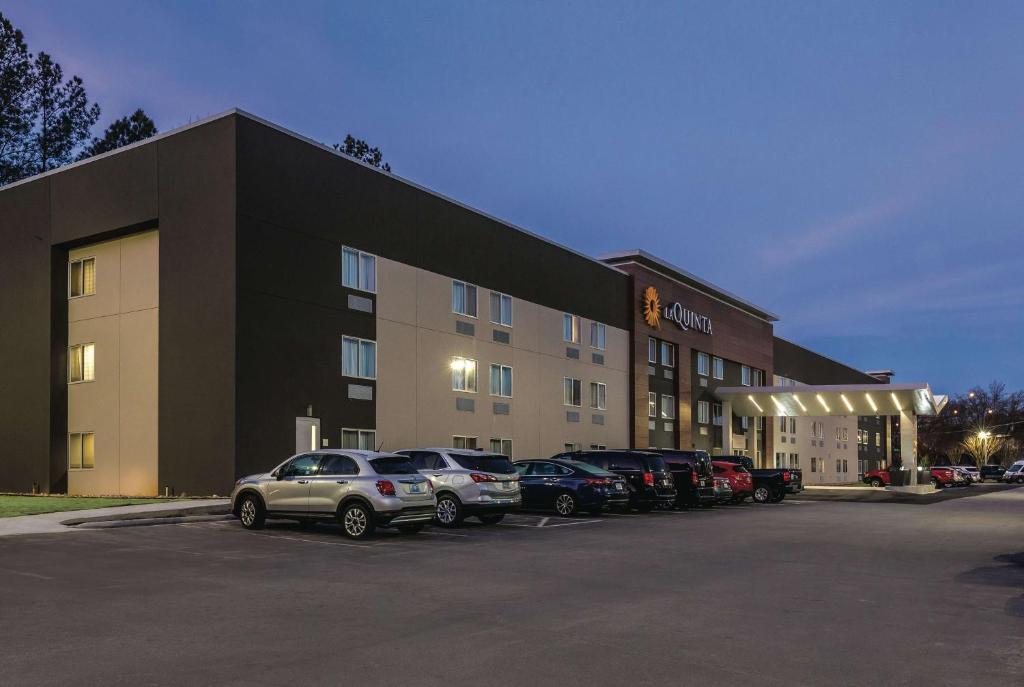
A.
pixel 685 318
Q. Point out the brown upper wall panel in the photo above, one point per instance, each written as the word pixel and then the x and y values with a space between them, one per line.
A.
pixel 804 365
pixel 105 195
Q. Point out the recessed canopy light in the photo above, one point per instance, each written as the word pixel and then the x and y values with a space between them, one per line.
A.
pixel 871 402
pixel 759 408
pixel 822 402
pixel 846 402
pixel 802 406
pixel 896 401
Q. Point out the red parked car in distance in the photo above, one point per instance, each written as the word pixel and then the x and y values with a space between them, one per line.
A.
pixel 939 476
pixel 739 479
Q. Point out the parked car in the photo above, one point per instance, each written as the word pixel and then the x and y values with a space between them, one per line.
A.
pixel 969 478
pixel 972 471
pixel 647 476
pixel 769 484
pixel 940 476
pixel 569 486
pixel 739 477
pixel 692 476
pixel 1014 473
pixel 360 489
pixel 468 483
pixel 723 490
pixel 992 472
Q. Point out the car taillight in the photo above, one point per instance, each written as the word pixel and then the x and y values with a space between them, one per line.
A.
pixel 598 481
pixel 649 479
pixel 430 486
pixel 694 478
pixel 385 487
pixel 785 475
pixel 480 477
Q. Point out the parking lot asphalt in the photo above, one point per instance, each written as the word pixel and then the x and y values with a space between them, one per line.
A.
pixel 797 593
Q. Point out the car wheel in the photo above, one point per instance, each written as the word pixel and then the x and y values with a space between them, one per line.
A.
pixel 779 496
pixel 566 504
pixel 493 519
pixel 877 482
pixel 251 512
pixel 762 494
pixel 449 511
pixel 356 521
pixel 410 529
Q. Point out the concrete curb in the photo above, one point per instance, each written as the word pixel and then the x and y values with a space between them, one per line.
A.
pixel 876 495
pixel 179 512
pixel 146 522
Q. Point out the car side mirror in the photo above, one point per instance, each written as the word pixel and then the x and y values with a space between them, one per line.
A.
pixel 279 475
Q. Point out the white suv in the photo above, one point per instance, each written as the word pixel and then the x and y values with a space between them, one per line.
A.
pixel 468 482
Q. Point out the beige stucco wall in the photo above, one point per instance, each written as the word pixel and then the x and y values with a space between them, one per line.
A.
pixel 826 450
pixel 416 340
pixel 120 406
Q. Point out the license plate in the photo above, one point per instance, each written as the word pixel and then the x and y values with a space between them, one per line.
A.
pixel 415 488
pixel 618 486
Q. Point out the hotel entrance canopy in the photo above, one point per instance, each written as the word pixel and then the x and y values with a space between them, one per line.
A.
pixel 837 399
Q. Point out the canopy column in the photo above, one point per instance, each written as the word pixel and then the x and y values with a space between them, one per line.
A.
pixel 727 428
pixel 908 444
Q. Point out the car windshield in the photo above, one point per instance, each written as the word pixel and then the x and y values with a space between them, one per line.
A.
pixel 393 465
pixel 484 462
pixel 589 469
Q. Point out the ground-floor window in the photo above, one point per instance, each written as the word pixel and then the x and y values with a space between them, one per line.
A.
pixel 502 446
pixel 814 464
pixel 360 439
pixel 573 447
pixel 81 450
pixel 794 460
pixel 845 466
pixel 598 447
pixel 464 442
pixel 780 460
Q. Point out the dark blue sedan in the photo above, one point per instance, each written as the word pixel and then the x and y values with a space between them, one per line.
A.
pixel 569 486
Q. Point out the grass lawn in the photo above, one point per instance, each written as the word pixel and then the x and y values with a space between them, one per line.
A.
pixel 11 506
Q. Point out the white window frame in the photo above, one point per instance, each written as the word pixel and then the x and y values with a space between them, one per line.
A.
pixel 81 444
pixel 465 442
pixel 361 434
pixel 501 445
pixel 703 413
pixel 601 330
pixel 717 416
pixel 502 297
pixel 717 368
pixel 745 422
pixel 501 380
pixel 571 328
pixel 703 364
pixel 652 404
pixel 652 350
pixel 359 357
pixel 360 254
pixel 575 388
pixel 466 286
pixel 599 391
pixel 454 366
pixel 670 405
pixel 82 260
pixel 83 347
pixel 745 375
pixel 670 348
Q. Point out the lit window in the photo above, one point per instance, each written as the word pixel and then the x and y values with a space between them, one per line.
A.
pixel 81 450
pixel 745 422
pixel 597 335
pixel 360 439
pixel 598 395
pixel 501 380
pixel 501 309
pixel 878 440
pixel 463 298
pixel 463 374
pixel 464 442
pixel 82 363
pixel 571 328
pixel 358 358
pixel 718 367
pixel 652 350
pixel 702 364
pixel 502 446
pixel 358 270
pixel 82 277
pixel 745 375
pixel 652 404
pixel 668 407
pixel 703 411
pixel 572 389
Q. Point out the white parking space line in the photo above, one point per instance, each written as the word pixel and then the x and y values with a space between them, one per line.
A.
pixel 443 534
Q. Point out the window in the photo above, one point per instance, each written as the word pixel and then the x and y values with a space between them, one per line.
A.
pixel 501 309
pixel 464 442
pixel 702 412
pixel 598 395
pixel 846 467
pixel 502 446
pixel 839 465
pixel 758 377
pixel 878 440
pixel 82 363
pixel 572 390
pixel 571 328
pixel 597 335
pixel 463 298
pixel 338 465
pixel 702 364
pixel 358 270
pixel 81 451
pixel 744 375
pixel 81 277
pixel 501 380
pixel 597 447
pixel 716 414
pixel 845 434
pixel 361 439
pixel 818 430
pixel 668 354
pixel 358 358
pixel 718 367
pixel 794 460
pixel 652 404
pixel 463 375
pixel 652 350
pixel 780 460
pixel 573 447
pixel 745 422
pixel 792 425
pixel 302 466
pixel 668 407
pixel 782 424
pixel 814 464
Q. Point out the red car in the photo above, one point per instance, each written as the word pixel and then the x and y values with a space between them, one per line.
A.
pixel 940 477
pixel 739 479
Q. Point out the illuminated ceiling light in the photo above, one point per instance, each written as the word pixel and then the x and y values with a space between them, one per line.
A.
pixel 871 402
pixel 896 401
pixel 822 402
pixel 759 408
pixel 802 406
pixel 846 402
pixel 782 408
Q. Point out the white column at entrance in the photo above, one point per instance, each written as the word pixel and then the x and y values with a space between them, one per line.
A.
pixel 908 443
pixel 755 434
pixel 727 428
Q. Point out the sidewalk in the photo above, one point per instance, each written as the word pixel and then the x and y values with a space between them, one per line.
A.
pixel 48 523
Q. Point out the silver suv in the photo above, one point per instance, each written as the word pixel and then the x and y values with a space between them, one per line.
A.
pixel 468 482
pixel 360 489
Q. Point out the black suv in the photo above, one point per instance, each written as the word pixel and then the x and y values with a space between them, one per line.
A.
pixel 693 477
pixel 647 476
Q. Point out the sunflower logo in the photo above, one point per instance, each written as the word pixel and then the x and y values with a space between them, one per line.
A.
pixel 652 307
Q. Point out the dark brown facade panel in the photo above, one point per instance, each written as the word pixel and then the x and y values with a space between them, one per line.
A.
pixel 197 309
pixel 803 365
